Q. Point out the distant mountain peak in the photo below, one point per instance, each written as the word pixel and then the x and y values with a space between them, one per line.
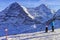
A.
pixel 42 6
pixel 58 10
pixel 14 6
pixel 15 3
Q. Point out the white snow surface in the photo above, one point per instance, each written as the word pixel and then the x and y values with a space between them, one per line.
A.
pixel 35 36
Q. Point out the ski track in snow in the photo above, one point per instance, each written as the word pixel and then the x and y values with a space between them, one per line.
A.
pixel 36 36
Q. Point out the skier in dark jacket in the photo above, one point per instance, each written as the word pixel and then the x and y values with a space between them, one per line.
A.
pixel 46 30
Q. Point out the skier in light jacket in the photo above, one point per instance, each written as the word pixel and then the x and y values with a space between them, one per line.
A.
pixel 52 24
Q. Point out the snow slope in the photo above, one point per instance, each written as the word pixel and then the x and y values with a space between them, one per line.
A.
pixel 36 36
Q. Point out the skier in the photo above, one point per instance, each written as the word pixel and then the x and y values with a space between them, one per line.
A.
pixel 52 26
pixel 46 30
pixel 52 23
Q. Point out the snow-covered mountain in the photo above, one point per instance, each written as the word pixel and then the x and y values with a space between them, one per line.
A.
pixel 41 13
pixel 16 19
pixel 17 11
pixel 57 14
pixel 57 19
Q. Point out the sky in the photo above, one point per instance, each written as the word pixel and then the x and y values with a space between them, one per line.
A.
pixel 52 4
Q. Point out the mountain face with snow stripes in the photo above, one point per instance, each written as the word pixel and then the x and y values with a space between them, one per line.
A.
pixel 19 19
pixel 41 13
pixel 14 18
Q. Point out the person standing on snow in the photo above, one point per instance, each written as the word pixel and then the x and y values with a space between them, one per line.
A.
pixel 52 24
pixel 46 30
